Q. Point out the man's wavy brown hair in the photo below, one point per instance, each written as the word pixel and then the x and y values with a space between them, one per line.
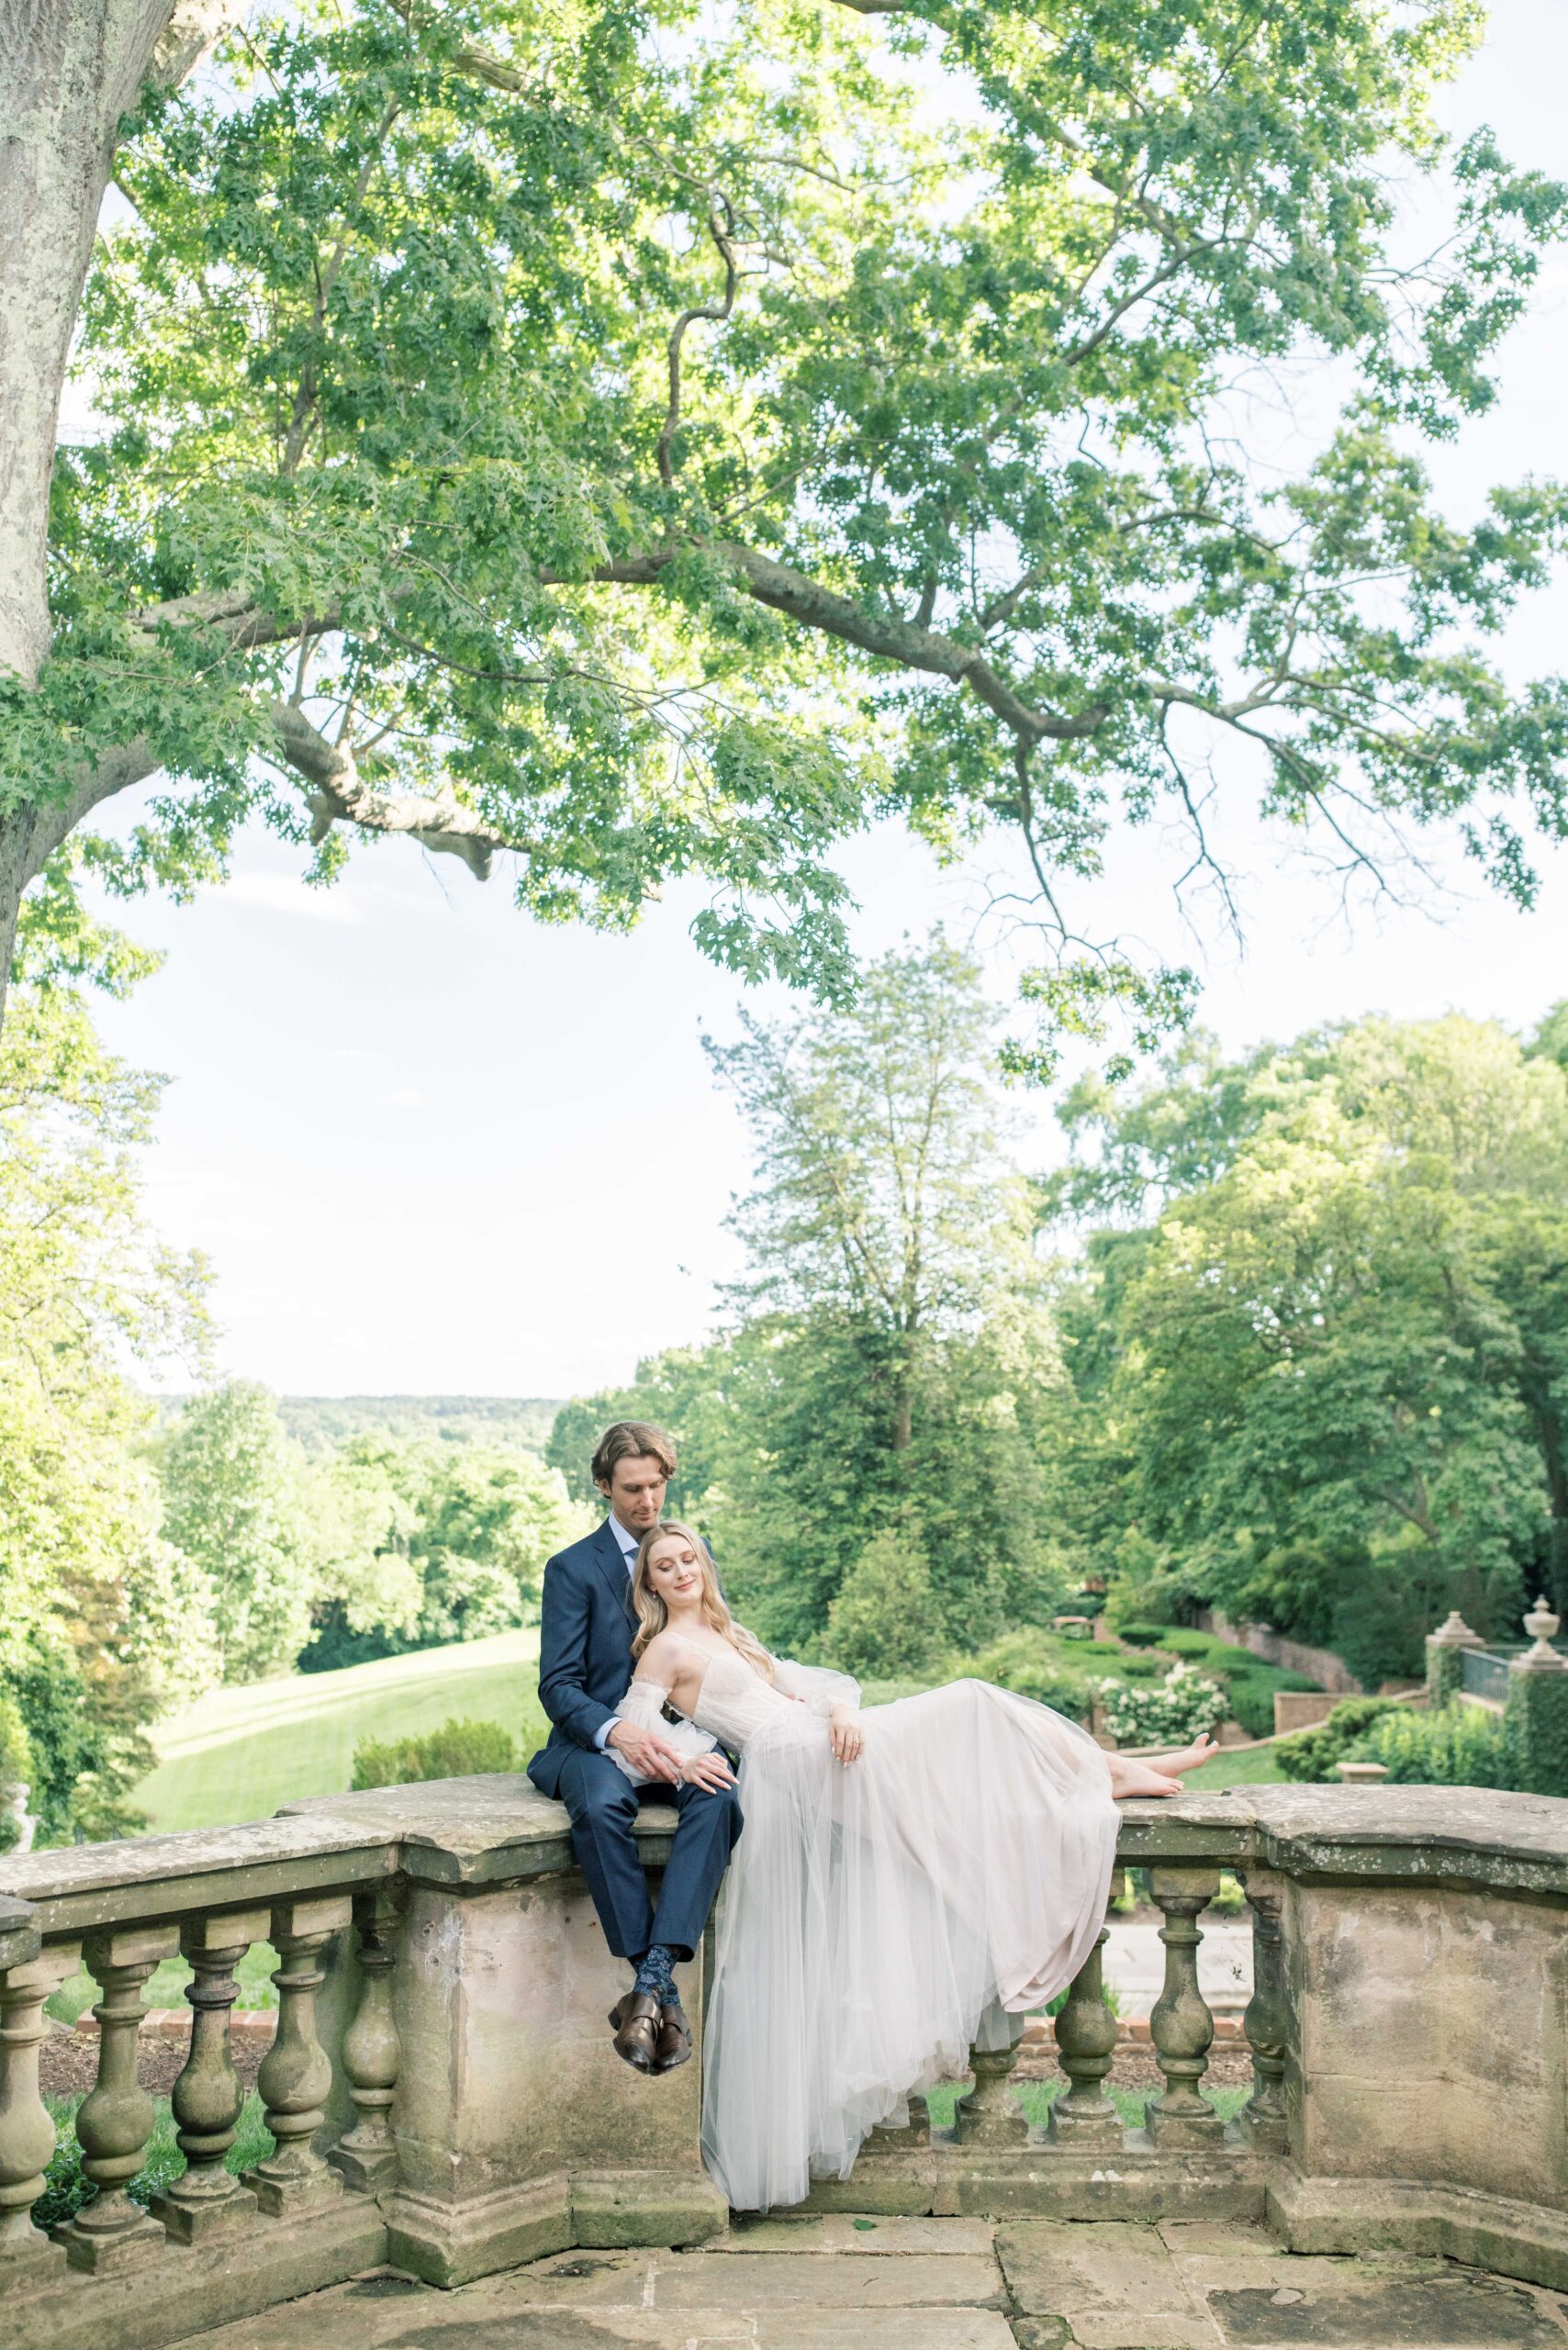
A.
pixel 631 1441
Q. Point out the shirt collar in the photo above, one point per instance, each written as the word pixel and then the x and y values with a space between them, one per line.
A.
pixel 625 1544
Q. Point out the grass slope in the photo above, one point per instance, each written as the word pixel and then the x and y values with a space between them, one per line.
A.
pixel 239 1753
pixel 1252 1767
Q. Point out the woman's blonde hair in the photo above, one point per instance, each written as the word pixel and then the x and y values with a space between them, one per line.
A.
pixel 653 1615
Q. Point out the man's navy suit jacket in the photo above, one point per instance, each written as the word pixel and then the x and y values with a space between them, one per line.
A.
pixel 585 1646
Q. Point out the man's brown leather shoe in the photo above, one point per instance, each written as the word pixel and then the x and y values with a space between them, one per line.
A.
pixel 637 2033
pixel 674 2044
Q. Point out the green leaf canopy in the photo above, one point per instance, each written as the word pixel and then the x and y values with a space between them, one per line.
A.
pixel 652 441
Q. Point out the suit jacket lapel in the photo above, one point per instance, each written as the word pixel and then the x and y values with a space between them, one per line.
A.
pixel 607 1553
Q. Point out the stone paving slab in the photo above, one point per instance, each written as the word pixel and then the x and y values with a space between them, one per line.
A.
pixel 1374 2311
pixel 1210 2236
pixel 826 2284
pixel 1229 2286
pixel 1116 2286
pixel 838 2231
pixel 776 2280
pixel 386 2313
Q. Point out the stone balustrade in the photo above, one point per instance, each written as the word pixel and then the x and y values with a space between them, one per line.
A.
pixel 440 2093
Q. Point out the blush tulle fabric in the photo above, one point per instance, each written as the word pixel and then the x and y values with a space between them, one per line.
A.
pixel 881 1918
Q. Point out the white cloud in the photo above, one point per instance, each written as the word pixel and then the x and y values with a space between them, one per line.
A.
pixel 403 1097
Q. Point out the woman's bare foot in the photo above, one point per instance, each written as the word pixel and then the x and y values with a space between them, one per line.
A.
pixel 1132 1777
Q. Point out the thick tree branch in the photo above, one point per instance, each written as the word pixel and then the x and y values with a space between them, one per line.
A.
pixel 777 584
pixel 802 598
pixel 30 836
pixel 339 794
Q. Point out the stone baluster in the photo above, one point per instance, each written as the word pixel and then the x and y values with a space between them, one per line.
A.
pixel 885 2139
pixel 296 2077
pixel 990 2115
pixel 1181 2025
pixel 27 2133
pixel 1086 2046
pixel 116 2118
pixel 207 2200
pixel 372 2051
pixel 1266 2020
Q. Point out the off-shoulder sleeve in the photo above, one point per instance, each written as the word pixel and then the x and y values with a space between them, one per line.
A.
pixel 821 1690
pixel 644 1704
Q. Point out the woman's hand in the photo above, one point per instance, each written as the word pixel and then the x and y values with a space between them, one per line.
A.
pixel 710 1772
pixel 844 1734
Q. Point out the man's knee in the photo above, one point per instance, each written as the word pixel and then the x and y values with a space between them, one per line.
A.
pixel 602 1793
pixel 718 1809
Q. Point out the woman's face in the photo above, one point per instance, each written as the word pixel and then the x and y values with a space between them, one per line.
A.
pixel 675 1571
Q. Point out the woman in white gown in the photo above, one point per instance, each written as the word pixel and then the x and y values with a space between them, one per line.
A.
pixel 907 1877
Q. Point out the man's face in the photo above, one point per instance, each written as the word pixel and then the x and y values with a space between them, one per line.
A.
pixel 636 1492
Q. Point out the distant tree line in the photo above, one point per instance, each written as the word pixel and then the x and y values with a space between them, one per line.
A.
pixel 146 1554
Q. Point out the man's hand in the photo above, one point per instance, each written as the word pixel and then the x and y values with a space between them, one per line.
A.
pixel 710 1772
pixel 651 1756
pixel 844 1734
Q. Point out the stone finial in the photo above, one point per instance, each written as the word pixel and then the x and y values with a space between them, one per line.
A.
pixel 1455 1633
pixel 1542 1626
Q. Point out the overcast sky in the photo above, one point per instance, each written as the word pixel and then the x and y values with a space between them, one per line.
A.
pixel 431 1148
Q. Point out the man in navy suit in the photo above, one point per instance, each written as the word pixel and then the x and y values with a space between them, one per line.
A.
pixel 585 1664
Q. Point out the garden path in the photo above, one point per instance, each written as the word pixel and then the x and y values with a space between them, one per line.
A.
pixel 846 2284
pixel 1135 1964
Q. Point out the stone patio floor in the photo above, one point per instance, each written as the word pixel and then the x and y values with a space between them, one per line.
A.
pixel 845 2284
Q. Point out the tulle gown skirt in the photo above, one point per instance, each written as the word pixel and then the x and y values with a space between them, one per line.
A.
pixel 879 1915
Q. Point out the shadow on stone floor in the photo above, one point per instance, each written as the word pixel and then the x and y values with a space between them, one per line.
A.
pixel 842 2284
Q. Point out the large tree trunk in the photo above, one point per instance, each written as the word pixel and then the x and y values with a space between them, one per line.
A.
pixel 69 69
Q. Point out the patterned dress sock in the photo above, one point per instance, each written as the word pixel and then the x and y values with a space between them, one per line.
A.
pixel 655 1973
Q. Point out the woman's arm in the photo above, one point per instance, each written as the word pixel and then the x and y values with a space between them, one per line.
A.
pixel 832 1693
pixel 697 1758
pixel 824 1692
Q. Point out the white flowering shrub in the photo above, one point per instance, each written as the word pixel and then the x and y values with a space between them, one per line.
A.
pixel 1165 1712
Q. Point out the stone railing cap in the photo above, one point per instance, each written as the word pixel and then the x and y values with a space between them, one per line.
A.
pixel 470 1833
pixel 1475 1835
pixel 474 1831
pixel 19 1937
pixel 74 1886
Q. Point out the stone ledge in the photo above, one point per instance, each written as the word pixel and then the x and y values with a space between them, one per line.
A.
pixel 73 1889
pixel 474 1834
pixel 21 1941
pixel 181 2289
pixel 1447 1836
pixel 1135 2181
pixel 453 2243
pixel 1366 2215
pixel 616 2209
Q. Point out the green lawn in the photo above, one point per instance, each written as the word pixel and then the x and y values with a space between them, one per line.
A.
pixel 1253 1767
pixel 67 2189
pixel 239 1753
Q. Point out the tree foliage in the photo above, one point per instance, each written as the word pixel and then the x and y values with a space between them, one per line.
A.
pixel 648 443
pixel 232 1503
pixel 890 1362
pixel 102 1623
pixel 414 1543
pixel 1332 1375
